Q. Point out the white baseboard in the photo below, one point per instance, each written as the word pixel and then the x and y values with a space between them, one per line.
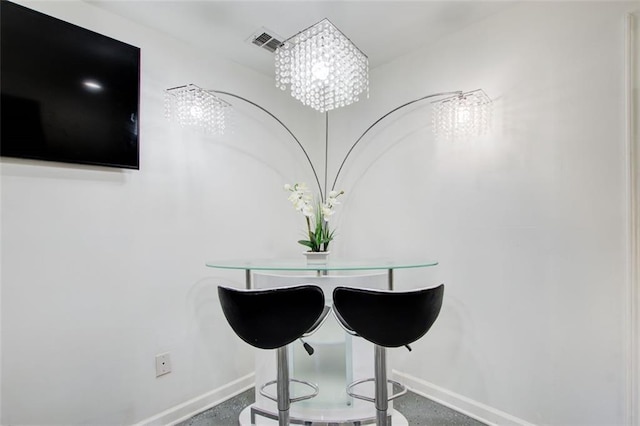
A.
pixel 200 403
pixel 459 403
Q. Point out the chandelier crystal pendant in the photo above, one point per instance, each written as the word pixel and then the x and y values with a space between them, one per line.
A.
pixel 322 68
pixel 466 114
pixel 193 106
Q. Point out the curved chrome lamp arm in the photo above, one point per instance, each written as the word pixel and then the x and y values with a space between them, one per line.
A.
pixel 315 174
pixel 313 169
pixel 457 92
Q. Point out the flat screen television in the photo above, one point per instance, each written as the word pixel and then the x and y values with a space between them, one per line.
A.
pixel 68 94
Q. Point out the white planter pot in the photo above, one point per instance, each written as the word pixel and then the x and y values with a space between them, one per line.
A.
pixel 316 257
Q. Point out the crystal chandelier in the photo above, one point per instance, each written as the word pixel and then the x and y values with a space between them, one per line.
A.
pixel 322 68
pixel 192 106
pixel 466 114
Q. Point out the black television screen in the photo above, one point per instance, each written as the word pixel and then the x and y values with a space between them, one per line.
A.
pixel 68 94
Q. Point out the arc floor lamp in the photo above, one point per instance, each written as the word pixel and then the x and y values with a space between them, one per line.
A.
pixel 325 70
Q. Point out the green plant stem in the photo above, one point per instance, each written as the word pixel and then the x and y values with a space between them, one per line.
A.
pixel 309 229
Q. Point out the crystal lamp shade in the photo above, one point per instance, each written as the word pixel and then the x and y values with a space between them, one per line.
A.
pixel 192 106
pixel 467 114
pixel 322 68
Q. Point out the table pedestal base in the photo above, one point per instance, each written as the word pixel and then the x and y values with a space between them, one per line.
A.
pixel 397 419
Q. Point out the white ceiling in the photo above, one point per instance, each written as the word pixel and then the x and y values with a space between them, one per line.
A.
pixel 383 30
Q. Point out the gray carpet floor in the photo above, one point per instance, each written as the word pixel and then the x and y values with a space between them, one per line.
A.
pixel 419 411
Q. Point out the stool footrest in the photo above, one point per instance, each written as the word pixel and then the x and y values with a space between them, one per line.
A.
pixel 257 411
pixel 403 390
pixel 315 388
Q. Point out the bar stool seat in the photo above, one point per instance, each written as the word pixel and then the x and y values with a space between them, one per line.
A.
pixel 272 319
pixel 388 319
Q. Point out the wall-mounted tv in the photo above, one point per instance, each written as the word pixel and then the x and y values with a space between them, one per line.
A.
pixel 68 94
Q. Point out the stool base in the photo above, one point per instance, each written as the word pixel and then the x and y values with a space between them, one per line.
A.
pixel 266 418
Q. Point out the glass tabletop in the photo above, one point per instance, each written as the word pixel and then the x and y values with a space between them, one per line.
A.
pixel 331 265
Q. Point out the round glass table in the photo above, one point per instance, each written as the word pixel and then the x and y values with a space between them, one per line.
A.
pixel 300 265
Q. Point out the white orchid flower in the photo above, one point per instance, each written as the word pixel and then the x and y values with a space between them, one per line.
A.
pixel 294 197
pixel 327 212
pixel 307 210
pixel 303 201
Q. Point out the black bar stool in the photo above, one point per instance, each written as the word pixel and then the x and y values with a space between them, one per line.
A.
pixel 388 319
pixel 271 319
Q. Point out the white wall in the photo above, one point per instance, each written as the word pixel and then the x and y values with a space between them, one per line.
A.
pixel 102 269
pixel 529 223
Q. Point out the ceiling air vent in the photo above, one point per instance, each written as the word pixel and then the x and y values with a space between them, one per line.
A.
pixel 266 39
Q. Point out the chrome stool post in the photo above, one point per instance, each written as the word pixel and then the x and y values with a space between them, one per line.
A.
pixel 388 320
